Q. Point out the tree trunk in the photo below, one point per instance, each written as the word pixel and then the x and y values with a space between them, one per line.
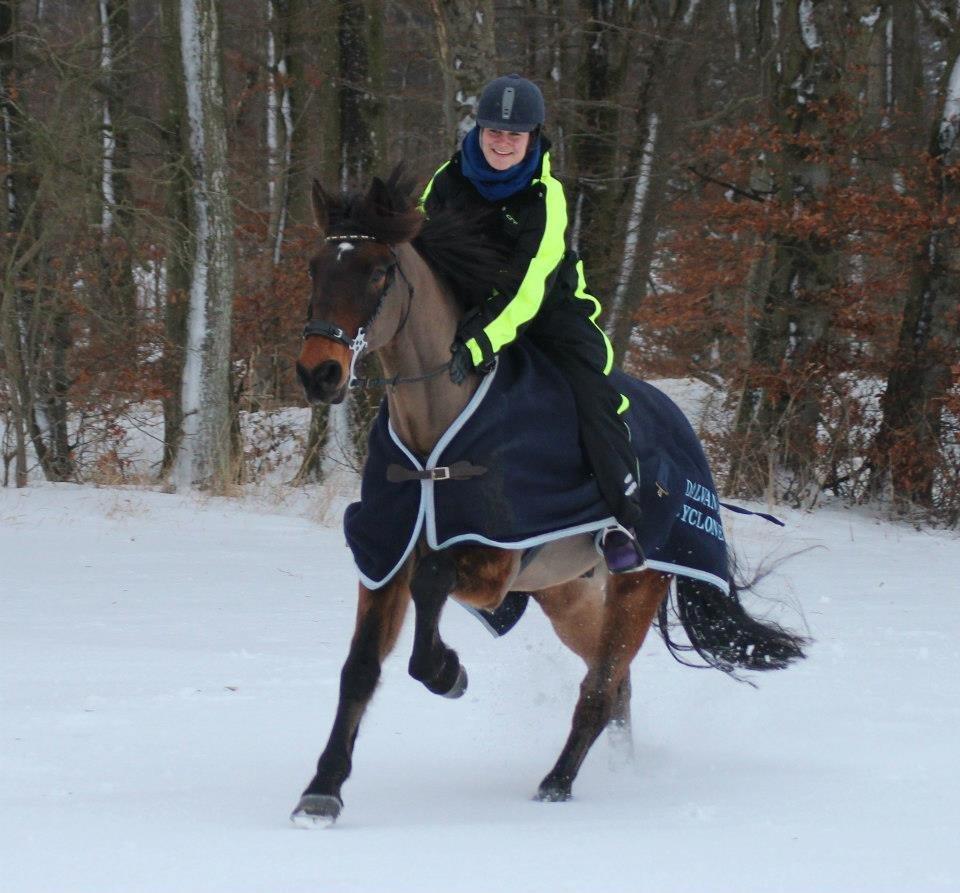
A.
pixel 118 314
pixel 17 390
pixel 466 44
pixel 204 458
pixel 609 33
pixel 674 53
pixel 177 235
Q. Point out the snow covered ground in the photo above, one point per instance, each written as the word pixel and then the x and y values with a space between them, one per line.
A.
pixel 168 675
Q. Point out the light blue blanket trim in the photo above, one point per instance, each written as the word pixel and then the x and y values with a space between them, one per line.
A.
pixel 426 513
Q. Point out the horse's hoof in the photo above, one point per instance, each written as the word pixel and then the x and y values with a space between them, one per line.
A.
pixel 316 811
pixel 553 791
pixel 459 686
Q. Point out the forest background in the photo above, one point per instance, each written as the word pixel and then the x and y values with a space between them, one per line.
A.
pixel 764 193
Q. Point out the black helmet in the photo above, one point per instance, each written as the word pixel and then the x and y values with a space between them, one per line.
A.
pixel 511 103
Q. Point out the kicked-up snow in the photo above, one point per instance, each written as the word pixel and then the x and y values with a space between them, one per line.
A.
pixel 168 675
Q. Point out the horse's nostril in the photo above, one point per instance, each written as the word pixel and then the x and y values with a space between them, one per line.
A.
pixel 303 376
pixel 321 382
pixel 327 374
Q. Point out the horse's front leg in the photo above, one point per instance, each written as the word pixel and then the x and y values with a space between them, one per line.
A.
pixel 379 619
pixel 631 604
pixel 480 577
pixel 432 662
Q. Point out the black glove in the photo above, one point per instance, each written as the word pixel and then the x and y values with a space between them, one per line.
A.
pixel 471 329
pixel 460 361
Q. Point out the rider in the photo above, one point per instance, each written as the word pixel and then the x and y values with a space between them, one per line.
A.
pixel 503 169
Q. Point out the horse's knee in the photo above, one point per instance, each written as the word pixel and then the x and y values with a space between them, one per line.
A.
pixel 359 676
pixel 435 575
pixel 361 670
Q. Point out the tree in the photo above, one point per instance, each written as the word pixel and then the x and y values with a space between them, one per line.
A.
pixel 909 447
pixel 675 47
pixel 117 288
pixel 779 407
pixel 34 314
pixel 204 457
pixel 466 44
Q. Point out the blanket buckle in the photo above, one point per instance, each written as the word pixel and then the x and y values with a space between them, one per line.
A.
pixel 442 473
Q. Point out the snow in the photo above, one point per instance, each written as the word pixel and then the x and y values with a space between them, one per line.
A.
pixel 169 669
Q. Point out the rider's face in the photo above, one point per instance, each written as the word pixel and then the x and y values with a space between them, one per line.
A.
pixel 503 148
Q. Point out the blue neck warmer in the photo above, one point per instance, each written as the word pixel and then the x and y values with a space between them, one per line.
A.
pixel 492 184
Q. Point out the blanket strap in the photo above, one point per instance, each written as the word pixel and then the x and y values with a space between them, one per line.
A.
pixel 459 471
pixel 743 511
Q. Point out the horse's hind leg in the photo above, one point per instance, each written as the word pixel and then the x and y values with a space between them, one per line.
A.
pixel 432 662
pixel 379 619
pixel 629 608
pixel 620 726
pixel 576 611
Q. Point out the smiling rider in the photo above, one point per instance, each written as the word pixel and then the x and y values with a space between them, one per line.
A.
pixel 502 171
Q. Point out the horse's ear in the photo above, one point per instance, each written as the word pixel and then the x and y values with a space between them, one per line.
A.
pixel 378 197
pixel 391 195
pixel 321 207
pixel 401 185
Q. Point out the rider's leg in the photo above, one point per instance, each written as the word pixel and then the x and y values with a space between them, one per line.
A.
pixel 567 332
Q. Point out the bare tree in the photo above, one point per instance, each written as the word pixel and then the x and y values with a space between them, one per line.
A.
pixel 908 445
pixel 675 47
pixel 467 49
pixel 117 289
pixel 11 207
pixel 806 51
pixel 204 456
pixel 36 335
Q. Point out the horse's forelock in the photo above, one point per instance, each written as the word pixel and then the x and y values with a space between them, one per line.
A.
pixel 387 211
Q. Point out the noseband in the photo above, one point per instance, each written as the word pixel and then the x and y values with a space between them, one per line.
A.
pixel 358 345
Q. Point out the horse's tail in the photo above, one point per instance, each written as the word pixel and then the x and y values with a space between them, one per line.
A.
pixel 721 631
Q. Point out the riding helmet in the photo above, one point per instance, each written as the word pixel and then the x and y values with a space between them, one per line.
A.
pixel 511 103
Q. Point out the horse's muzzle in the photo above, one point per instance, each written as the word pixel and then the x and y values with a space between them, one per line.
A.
pixel 322 384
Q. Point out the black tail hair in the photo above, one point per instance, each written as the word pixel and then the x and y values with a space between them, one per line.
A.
pixel 722 633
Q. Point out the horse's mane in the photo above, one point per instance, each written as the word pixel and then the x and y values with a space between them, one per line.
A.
pixel 453 243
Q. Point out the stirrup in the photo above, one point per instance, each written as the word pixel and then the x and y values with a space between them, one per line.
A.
pixel 620 550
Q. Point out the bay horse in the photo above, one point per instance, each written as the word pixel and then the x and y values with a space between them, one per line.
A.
pixel 388 281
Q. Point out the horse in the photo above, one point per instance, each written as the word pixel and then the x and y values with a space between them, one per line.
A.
pixel 388 281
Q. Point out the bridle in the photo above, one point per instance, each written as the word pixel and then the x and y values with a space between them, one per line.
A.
pixel 358 344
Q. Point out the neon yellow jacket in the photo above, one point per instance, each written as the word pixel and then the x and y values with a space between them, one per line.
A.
pixel 533 224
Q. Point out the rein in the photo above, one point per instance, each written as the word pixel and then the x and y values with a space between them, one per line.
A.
pixel 358 344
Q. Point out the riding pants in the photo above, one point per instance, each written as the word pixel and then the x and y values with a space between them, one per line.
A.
pixel 566 330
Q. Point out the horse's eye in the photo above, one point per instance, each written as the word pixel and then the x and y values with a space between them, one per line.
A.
pixel 378 276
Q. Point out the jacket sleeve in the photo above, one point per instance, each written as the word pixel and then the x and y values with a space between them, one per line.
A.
pixel 543 240
pixel 434 194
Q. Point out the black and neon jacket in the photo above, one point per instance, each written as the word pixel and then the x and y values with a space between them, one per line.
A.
pixel 532 226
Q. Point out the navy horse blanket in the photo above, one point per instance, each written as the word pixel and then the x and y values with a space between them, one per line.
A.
pixel 519 436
